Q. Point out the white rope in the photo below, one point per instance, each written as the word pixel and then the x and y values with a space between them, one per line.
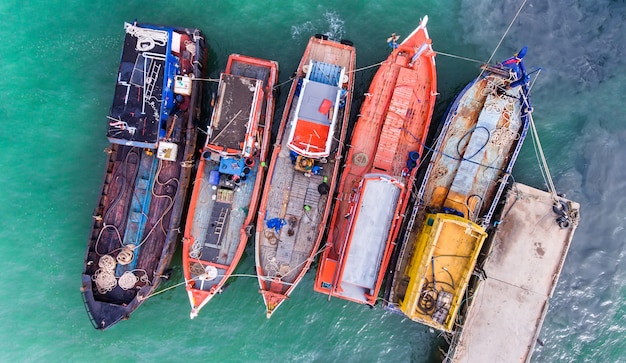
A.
pixel 107 262
pixel 191 47
pixel 459 57
pixel 196 250
pixel 127 280
pixel 206 79
pixel 146 38
pixel 543 164
pixel 366 67
pixel 105 281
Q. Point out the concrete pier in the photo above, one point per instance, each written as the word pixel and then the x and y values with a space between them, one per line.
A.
pixel 522 267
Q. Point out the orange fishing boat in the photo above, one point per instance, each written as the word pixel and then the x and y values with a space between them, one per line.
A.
pixel 380 170
pixel 304 167
pixel 229 178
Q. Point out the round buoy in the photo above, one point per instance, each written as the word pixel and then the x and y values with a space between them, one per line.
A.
pixel 210 273
pixel 360 159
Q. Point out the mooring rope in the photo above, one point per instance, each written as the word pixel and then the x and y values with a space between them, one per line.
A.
pixel 543 163
pixel 206 79
pixel 459 57
pixel 503 36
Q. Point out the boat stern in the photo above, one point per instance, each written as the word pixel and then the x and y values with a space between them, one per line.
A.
pixel 446 252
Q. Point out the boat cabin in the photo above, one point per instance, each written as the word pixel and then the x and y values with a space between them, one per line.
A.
pixel 319 99
pixel 153 89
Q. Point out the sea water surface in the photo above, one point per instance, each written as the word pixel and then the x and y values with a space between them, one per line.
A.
pixel 58 64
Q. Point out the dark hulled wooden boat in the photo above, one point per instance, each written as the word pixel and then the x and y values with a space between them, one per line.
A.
pixel 152 130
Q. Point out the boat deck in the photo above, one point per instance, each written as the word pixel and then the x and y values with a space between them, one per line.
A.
pixel 220 202
pixel 137 93
pixel 227 186
pixel 298 191
pixel 231 117
pixel 480 140
pixel 381 165
pixel 136 221
pixel 285 250
pixel 507 310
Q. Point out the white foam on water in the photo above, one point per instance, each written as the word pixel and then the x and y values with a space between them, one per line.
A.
pixel 331 25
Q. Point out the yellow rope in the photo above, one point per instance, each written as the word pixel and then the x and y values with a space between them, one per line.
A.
pixel 164 290
pixel 232 275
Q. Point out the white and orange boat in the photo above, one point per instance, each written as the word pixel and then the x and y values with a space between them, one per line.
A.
pixel 380 170
pixel 304 167
pixel 230 175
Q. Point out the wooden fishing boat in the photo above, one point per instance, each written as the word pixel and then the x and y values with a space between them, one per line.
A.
pixel 230 174
pixel 379 172
pixel 479 142
pixel 152 130
pixel 304 167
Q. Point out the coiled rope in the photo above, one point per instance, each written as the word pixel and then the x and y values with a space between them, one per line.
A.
pixel 105 280
pixel 104 277
pixel 146 38
pixel 127 280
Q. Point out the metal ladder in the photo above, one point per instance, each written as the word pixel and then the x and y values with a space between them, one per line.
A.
pixel 221 221
pixel 149 83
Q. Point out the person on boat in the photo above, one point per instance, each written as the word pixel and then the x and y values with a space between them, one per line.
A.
pixel 392 41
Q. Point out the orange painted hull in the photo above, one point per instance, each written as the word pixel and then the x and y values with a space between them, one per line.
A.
pixel 205 255
pixel 296 202
pixel 387 139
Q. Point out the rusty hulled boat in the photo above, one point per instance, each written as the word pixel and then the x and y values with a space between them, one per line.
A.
pixel 304 167
pixel 473 158
pixel 151 128
pixel 230 175
pixel 379 172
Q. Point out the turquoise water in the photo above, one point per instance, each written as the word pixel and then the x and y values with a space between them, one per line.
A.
pixel 58 62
